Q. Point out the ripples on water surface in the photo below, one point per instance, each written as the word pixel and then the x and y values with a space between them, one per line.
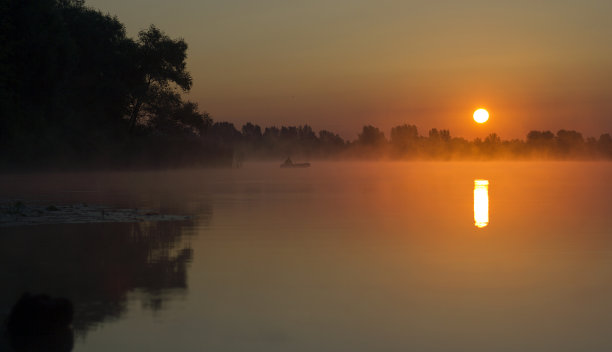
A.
pixel 337 257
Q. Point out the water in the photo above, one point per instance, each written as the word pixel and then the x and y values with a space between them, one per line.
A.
pixel 337 257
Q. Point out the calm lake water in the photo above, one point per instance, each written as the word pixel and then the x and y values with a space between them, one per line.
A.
pixel 337 257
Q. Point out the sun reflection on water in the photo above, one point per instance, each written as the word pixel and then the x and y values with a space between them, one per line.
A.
pixel 481 203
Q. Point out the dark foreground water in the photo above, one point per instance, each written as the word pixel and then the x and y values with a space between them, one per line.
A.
pixel 337 257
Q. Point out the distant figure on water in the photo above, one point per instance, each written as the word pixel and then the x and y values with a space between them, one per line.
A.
pixel 41 323
pixel 289 164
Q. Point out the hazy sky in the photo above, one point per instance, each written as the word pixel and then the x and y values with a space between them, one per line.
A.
pixel 340 64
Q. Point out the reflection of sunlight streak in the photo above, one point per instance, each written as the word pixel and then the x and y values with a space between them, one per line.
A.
pixel 481 203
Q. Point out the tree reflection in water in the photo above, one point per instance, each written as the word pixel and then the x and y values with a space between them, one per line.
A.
pixel 95 266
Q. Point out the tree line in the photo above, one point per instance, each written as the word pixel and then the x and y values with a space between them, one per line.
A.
pixel 404 142
pixel 76 91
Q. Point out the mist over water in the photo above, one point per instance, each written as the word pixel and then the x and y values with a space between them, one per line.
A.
pixel 356 256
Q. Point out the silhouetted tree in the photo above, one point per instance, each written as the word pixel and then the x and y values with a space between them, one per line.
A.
pixel 604 145
pixel 541 142
pixel 224 133
pixel 404 139
pixel 72 85
pixel 493 139
pixel 271 133
pixel 371 136
pixel 251 133
pixel 330 142
pixel 161 69
pixel 491 145
pixel 289 134
pixel 307 140
pixel 569 142
pixel 439 136
pixel 174 117
pixel 306 133
pixel 437 143
pixel 537 137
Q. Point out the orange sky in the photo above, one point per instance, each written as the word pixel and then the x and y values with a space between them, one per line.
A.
pixel 340 64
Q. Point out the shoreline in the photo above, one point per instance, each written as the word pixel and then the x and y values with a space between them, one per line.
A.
pixel 20 213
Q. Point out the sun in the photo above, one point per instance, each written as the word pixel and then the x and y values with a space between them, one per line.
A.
pixel 481 115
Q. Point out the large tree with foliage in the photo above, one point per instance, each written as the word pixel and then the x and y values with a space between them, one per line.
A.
pixel 161 78
pixel 73 85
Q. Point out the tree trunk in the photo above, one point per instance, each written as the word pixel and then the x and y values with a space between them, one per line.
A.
pixel 134 116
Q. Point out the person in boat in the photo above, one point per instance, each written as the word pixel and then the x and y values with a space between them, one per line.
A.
pixel 288 161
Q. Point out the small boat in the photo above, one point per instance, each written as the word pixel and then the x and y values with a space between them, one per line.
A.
pixel 290 164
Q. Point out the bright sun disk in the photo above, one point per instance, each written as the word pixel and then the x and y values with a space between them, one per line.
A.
pixel 481 115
